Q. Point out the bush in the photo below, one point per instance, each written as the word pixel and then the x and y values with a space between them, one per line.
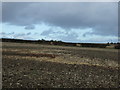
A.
pixel 117 46
pixel 93 45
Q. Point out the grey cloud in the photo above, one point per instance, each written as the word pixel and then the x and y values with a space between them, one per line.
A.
pixel 0 12
pixel 36 33
pixel 16 35
pixel 29 33
pixel 6 35
pixel 30 27
pixel 84 35
pixel 3 33
pixel 53 32
pixel 11 33
pixel 70 37
pixel 101 17
pixel 47 32
pixel 66 36
pixel 19 35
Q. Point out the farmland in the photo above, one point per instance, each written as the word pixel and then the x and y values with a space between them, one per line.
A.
pixel 48 66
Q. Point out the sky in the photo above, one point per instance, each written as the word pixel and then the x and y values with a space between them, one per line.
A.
pixel 95 22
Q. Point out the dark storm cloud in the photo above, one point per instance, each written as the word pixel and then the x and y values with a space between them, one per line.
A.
pixel 101 17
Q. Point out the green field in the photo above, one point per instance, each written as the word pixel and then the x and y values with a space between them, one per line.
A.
pixel 32 66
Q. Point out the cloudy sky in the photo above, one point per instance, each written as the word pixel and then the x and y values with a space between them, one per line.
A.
pixel 65 21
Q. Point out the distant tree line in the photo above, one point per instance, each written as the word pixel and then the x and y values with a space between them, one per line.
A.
pixel 55 42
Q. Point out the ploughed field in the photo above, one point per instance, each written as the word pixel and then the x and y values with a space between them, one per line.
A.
pixel 49 66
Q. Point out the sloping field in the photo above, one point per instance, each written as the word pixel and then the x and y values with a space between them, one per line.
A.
pixel 49 66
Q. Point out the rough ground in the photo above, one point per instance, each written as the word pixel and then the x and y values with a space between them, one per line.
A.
pixel 33 66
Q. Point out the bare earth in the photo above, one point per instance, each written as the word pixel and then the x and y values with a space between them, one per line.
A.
pixel 50 66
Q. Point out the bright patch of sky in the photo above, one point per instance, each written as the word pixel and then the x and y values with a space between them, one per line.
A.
pixel 44 31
